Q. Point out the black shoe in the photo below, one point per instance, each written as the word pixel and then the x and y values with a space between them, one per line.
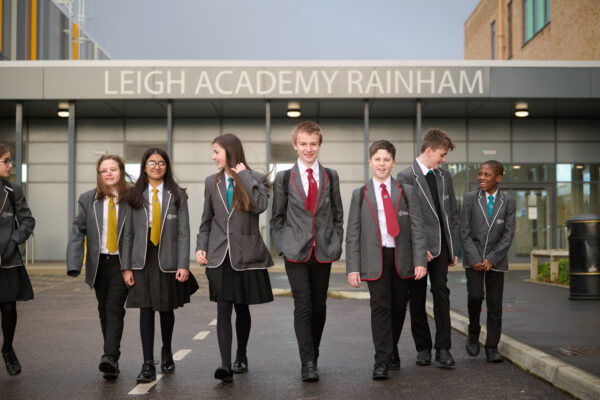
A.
pixel 167 365
pixel 424 358
pixel 492 355
pixel 148 372
pixel 380 370
pixel 444 357
pixel 110 367
pixel 395 364
pixel 240 366
pixel 13 367
pixel 224 374
pixel 309 372
pixel 472 345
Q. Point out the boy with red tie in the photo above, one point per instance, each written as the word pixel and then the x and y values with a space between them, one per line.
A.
pixel 385 246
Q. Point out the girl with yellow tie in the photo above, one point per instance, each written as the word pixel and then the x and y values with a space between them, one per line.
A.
pixel 158 237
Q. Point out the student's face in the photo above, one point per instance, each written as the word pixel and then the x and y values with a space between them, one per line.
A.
pixel 157 172
pixel 307 145
pixel 219 156
pixel 5 165
pixel 110 174
pixel 436 157
pixel 381 164
pixel 488 179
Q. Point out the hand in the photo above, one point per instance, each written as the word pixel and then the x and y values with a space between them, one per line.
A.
pixel 354 279
pixel 239 168
pixel 128 277
pixel 420 272
pixel 455 261
pixel 182 274
pixel 429 256
pixel 487 264
pixel 478 266
pixel 201 257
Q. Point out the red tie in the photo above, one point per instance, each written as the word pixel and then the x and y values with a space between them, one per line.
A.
pixel 390 216
pixel 311 199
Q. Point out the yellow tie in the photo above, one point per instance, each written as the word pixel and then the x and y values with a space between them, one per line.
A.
pixel 155 227
pixel 111 230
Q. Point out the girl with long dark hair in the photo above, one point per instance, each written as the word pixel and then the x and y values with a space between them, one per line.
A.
pixel 231 248
pixel 159 241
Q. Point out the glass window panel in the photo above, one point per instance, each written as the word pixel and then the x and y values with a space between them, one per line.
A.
pixel 563 172
pixel 547 9
pixel 529 19
pixel 540 15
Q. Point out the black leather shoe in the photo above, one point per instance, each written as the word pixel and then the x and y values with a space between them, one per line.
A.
pixel 492 355
pixel 224 374
pixel 424 358
pixel 309 372
pixel 444 357
pixel 395 364
pixel 472 345
pixel 148 372
pixel 167 365
pixel 380 370
pixel 13 367
pixel 110 367
pixel 240 366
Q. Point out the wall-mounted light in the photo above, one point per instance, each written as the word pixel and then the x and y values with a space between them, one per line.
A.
pixel 521 109
pixel 579 166
pixel 63 109
pixel 516 167
pixel 293 109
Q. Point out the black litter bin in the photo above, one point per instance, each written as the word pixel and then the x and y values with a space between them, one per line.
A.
pixel 584 257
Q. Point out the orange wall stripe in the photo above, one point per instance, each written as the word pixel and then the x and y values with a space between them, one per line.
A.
pixel 33 31
pixel 75 42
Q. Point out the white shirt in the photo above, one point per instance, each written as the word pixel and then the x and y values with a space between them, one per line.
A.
pixel 423 167
pixel 159 194
pixel 386 239
pixel 487 196
pixel 227 180
pixel 103 249
pixel 304 174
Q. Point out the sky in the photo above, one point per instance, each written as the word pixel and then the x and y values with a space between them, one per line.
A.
pixel 279 29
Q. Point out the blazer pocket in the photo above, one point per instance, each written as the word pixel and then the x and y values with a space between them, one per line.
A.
pixel 250 249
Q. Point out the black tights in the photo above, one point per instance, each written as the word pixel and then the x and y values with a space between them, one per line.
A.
pixel 167 323
pixel 224 330
pixel 9 324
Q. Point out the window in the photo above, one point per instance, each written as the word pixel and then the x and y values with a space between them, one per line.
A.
pixel 509 15
pixel 493 40
pixel 536 15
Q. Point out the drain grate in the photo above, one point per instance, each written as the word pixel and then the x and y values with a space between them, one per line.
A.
pixel 574 351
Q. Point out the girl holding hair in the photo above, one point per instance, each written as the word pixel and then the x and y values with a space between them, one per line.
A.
pixel 231 248
pixel 159 241
pixel 101 217
pixel 16 225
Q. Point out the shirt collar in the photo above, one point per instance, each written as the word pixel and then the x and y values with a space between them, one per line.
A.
pixel 424 169
pixel 388 183
pixel 487 195
pixel 302 168
pixel 226 176
pixel 159 187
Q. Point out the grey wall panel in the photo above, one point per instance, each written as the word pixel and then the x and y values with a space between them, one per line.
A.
pixel 476 151
pixel 21 83
pixel 47 173
pixel 192 152
pixel 459 154
pixel 568 129
pixel 48 130
pixel 455 127
pixel 195 130
pixel 533 152
pixel 494 129
pixel 100 130
pixel 281 129
pixel 86 173
pixel 528 129
pixel 577 152
pixel 146 130
pixel 342 130
pixel 50 227
pixel 392 130
pixel 531 82
pixel 88 152
pixel 247 129
pixel 48 153
pixel 595 84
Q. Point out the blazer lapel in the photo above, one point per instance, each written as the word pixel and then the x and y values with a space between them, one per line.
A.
pixel 164 204
pixel 120 221
pixel 98 212
pixel 372 199
pixel 3 197
pixel 297 181
pixel 422 185
pixel 222 191
pixel 440 183
pixel 396 194
pixel 497 205
pixel 482 200
pixel 323 182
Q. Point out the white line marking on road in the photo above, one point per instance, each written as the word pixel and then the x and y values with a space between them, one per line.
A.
pixel 143 388
pixel 213 322
pixel 180 354
pixel 201 335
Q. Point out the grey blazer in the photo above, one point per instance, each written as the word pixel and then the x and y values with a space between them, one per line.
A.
pixel 293 228
pixel 223 229
pixel 8 231
pixel 174 245
pixel 483 237
pixel 88 222
pixel 414 176
pixel 363 240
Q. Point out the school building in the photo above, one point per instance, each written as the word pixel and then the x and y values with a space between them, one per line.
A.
pixel 540 118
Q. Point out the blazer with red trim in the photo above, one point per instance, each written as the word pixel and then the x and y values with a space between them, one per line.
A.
pixel 363 238
pixel 293 228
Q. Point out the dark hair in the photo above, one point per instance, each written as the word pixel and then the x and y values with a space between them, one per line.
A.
pixel 234 155
pixel 312 128
pixel 4 148
pixel 436 139
pixel 122 187
pixel 382 145
pixel 496 166
pixel 135 195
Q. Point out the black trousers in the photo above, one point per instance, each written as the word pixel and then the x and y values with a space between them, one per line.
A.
pixel 389 296
pixel 309 282
pixel 437 270
pixel 111 293
pixel 494 286
pixel 419 324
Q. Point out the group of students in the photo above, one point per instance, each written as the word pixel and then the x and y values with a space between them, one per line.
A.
pixel 135 241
